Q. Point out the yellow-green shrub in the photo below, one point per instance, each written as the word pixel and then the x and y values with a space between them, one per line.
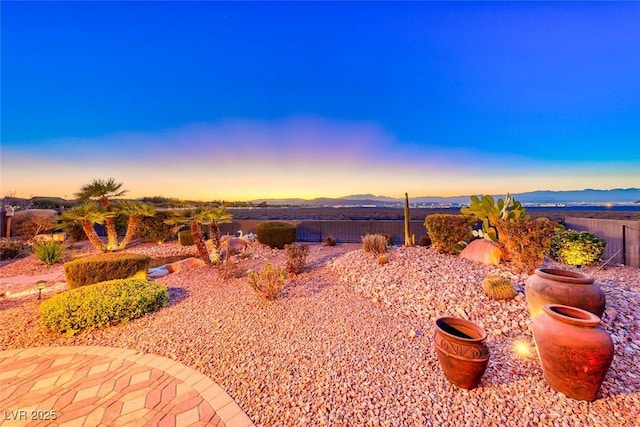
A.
pixel 276 234
pixel 447 231
pixel 103 267
pixel 577 248
pixel 102 304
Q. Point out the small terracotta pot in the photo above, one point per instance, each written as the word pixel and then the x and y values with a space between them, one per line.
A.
pixel 574 350
pixel 461 349
pixel 555 286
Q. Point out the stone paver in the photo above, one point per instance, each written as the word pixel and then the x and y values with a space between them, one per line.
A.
pixel 91 386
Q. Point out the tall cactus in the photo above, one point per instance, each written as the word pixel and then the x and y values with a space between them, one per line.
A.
pixel 409 240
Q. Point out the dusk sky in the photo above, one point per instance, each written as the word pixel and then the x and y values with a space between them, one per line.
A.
pixel 243 101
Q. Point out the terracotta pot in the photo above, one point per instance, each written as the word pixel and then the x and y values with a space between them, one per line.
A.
pixel 575 351
pixel 461 349
pixel 555 286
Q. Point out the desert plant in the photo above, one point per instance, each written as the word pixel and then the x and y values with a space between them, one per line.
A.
pixel 103 191
pixel 487 210
pixel 48 251
pixel 449 232
pixel 86 214
pixel 194 218
pixel 527 241
pixel 214 218
pixel 36 221
pixel 269 281
pixel 154 229
pixel 185 238
pixel 102 304
pixel 330 241
pixel 10 249
pixel 375 243
pixel 498 287
pixel 135 211
pixel 231 268
pixel 409 239
pixel 296 257
pixel 276 234
pixel 577 248
pixel 102 267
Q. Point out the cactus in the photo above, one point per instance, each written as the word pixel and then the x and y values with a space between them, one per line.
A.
pixel 487 210
pixel 409 240
pixel 498 287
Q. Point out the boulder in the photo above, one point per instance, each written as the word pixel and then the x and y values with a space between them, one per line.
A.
pixel 482 250
pixel 184 265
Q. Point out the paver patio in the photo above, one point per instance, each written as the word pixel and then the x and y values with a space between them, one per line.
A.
pixel 91 386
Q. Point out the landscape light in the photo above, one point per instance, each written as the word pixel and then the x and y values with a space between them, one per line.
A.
pixel 523 349
pixel 40 286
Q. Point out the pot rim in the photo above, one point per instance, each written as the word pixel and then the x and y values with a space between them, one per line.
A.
pixel 571 315
pixel 566 276
pixel 481 334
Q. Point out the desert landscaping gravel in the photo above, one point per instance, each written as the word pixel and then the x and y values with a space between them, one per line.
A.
pixel 349 341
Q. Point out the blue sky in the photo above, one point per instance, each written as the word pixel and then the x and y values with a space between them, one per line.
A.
pixel 238 101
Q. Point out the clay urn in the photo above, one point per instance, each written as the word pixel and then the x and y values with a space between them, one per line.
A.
pixel 574 350
pixel 556 286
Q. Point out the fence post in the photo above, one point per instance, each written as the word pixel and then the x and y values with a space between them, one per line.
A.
pixel 624 244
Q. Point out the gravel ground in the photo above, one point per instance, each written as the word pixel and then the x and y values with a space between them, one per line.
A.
pixel 349 342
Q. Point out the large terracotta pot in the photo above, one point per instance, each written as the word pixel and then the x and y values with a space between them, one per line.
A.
pixel 555 286
pixel 575 351
pixel 461 349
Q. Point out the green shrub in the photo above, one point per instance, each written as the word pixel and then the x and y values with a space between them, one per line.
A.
pixel 525 242
pixel 155 229
pixel 268 282
pixel 48 251
pixel 375 243
pixel 11 248
pixel 276 234
pixel 447 232
pixel 103 267
pixel 102 304
pixel 296 257
pixel 577 248
pixel 185 238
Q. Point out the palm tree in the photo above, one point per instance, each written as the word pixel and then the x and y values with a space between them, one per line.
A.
pixel 135 211
pixel 103 191
pixel 215 218
pixel 87 214
pixel 194 218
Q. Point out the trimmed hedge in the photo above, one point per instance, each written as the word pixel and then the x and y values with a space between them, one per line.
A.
pixel 103 267
pixel 447 231
pixel 577 248
pixel 276 234
pixel 102 304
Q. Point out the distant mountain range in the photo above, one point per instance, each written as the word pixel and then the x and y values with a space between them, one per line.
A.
pixel 618 196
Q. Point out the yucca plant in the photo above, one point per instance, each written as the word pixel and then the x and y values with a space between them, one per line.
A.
pixel 48 251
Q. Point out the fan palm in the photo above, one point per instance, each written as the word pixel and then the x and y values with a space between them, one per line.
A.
pixel 215 218
pixel 87 214
pixel 103 191
pixel 135 211
pixel 193 218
